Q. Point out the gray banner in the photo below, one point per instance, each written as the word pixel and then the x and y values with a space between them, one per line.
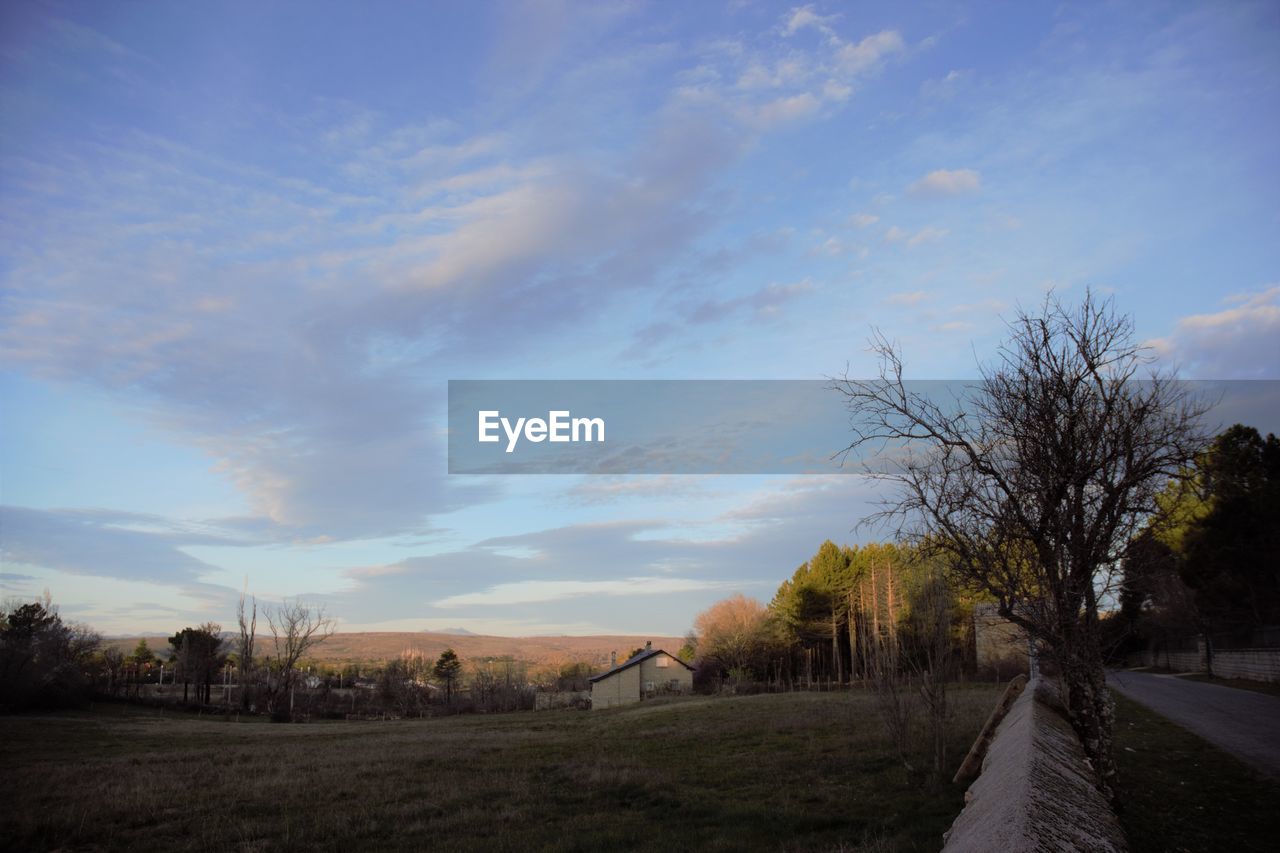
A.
pixel 708 426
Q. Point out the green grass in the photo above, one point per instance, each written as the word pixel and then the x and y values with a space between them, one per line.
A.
pixel 1181 793
pixel 771 772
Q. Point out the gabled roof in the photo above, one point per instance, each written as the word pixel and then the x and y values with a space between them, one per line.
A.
pixel 643 656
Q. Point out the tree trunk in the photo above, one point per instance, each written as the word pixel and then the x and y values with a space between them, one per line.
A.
pixel 875 607
pixel 836 663
pixel 893 619
pixel 1091 713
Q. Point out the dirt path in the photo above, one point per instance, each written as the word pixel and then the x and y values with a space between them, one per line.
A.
pixel 1242 722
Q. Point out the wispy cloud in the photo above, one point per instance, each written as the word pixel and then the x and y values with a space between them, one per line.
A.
pixel 536 592
pixel 944 182
pixel 927 234
pixel 1240 342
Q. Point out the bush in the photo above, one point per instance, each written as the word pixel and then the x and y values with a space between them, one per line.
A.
pixel 43 661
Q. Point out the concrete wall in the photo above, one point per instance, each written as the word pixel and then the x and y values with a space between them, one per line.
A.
pixel 1253 664
pixel 1036 791
pixel 621 688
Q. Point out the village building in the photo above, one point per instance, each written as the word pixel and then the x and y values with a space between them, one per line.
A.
pixel 649 673
pixel 999 645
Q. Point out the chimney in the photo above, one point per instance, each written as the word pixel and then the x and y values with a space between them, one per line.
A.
pixel 613 659
pixel 648 645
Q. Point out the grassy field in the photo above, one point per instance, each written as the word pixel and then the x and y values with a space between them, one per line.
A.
pixel 770 772
pixel 1181 793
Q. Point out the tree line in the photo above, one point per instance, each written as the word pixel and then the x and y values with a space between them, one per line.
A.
pixel 884 616
pixel 827 620
pixel 266 665
pixel 1208 566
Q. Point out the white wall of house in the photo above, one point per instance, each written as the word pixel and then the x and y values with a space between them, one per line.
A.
pixel 660 673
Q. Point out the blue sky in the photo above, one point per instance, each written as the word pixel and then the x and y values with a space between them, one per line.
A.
pixel 244 246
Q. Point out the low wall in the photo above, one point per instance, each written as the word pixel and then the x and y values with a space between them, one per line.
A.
pixel 1252 664
pixel 553 700
pixel 1036 791
pixel 1177 661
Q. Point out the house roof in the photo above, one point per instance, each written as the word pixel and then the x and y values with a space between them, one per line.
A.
pixel 643 656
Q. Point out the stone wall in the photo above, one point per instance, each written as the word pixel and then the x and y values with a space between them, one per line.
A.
pixel 1036 791
pixel 1252 664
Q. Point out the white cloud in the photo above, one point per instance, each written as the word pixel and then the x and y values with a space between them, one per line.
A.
pixel 866 55
pixel 912 298
pixel 774 84
pixel 536 592
pixel 863 220
pixel 1240 342
pixel 804 17
pixel 927 234
pixel 832 246
pixel 284 323
pixel 835 91
pixel 944 87
pixel 784 110
pixel 605 489
pixel 944 182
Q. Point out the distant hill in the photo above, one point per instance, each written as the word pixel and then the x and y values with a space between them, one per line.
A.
pixel 381 646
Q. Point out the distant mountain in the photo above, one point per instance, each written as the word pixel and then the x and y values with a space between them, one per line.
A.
pixel 112 638
pixel 376 647
pixel 460 632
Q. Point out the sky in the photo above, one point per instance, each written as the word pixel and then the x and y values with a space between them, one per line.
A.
pixel 245 246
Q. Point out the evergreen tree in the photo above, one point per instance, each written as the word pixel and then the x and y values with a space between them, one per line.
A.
pixel 447 670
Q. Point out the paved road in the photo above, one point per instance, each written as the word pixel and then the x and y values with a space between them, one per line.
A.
pixel 1242 722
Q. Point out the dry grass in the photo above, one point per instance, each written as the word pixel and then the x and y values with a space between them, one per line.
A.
pixel 774 772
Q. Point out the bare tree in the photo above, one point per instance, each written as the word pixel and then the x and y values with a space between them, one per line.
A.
pixel 248 625
pixel 882 661
pixel 113 665
pixel 296 628
pixel 932 604
pixel 1032 484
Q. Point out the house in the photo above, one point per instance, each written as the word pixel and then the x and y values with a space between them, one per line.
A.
pixel 651 672
pixel 999 645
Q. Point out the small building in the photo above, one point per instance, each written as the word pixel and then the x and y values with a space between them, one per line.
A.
pixel 999 645
pixel 649 673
